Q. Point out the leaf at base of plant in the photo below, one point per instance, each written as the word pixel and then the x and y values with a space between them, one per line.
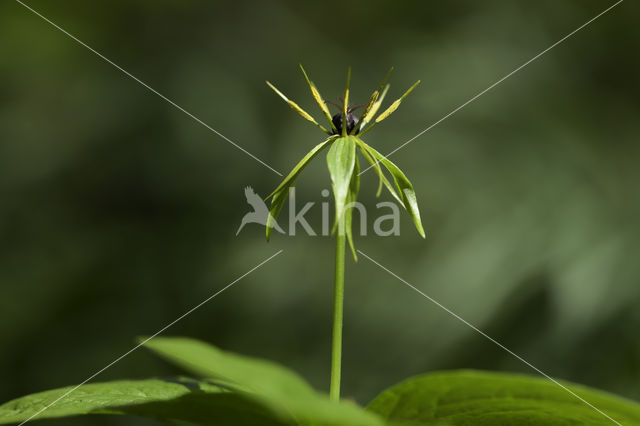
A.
pixel 181 398
pixel 281 390
pixel 232 390
pixel 475 398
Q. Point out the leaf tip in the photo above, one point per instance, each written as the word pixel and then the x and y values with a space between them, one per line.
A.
pixel 268 232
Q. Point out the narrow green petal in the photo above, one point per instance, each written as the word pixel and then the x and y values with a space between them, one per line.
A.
pixel 369 111
pixel 304 114
pixel 318 98
pixel 279 93
pixel 396 104
pixel 370 104
pixel 346 103
pixel 378 103
pixel 372 113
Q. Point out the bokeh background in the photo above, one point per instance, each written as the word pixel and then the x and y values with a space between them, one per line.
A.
pixel 118 212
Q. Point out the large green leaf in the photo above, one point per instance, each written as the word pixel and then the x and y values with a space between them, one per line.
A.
pixel 278 388
pixel 234 390
pixel 474 398
pixel 172 399
pixel 341 162
pixel 280 193
pixel 254 375
pixel 405 188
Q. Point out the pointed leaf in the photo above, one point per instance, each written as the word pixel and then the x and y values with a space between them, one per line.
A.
pixel 463 398
pixel 288 400
pixel 282 191
pixel 301 165
pixel 277 387
pixel 276 205
pixel 364 148
pixel 376 167
pixel 341 161
pixel 352 197
pixel 405 188
pixel 208 361
pixel 185 399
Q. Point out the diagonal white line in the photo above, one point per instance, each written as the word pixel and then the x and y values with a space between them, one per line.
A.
pixel 190 311
pixel 133 77
pixel 467 323
pixel 498 82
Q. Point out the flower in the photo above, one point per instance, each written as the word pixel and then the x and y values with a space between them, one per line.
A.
pixel 342 159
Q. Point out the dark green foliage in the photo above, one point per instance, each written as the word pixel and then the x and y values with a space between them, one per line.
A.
pixel 237 390
pixel 232 390
pixel 474 398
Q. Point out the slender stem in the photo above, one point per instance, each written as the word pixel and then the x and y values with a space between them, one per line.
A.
pixel 338 299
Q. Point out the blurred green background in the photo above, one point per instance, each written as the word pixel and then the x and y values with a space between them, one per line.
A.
pixel 118 212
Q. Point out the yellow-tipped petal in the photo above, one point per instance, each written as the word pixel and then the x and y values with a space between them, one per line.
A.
pixel 372 101
pixel 321 103
pixel 304 114
pixel 346 100
pixel 375 100
pixel 346 103
pixel 279 93
pixel 318 97
pixel 394 106
pixel 410 90
pixel 376 105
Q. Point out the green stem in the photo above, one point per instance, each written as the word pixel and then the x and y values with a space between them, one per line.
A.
pixel 338 300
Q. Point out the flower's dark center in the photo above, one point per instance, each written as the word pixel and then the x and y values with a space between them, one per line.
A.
pixel 352 120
